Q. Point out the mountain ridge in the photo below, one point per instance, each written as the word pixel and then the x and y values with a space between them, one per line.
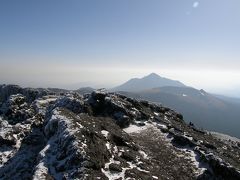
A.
pixel 102 135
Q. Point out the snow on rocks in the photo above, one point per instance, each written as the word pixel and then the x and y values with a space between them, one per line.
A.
pixel 16 109
pixel 42 104
pixel 4 155
pixel 109 173
pixel 135 128
pixel 61 131
pixel 108 145
pixel 145 156
pixel 11 137
pixel 117 172
pixel 193 157
pixel 187 152
pixel 105 133
pixel 71 102
pixel 132 166
pixel 98 136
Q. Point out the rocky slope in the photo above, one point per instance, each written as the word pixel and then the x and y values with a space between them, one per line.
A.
pixel 197 106
pixel 46 134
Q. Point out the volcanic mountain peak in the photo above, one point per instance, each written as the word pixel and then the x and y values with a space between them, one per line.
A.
pixel 152 75
pixel 153 80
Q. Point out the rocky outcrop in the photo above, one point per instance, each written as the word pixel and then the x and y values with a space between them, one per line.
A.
pixel 52 135
pixel 30 93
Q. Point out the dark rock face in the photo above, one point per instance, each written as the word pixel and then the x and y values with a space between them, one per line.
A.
pixel 31 94
pixel 64 135
pixel 16 109
pixel 182 141
pixel 115 168
pixel 8 142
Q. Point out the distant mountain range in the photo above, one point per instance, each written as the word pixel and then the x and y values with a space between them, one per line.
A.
pixel 229 99
pixel 151 81
pixel 212 112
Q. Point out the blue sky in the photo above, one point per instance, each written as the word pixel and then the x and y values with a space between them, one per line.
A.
pixel 61 43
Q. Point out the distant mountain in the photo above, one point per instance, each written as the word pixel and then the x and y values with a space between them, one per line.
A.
pixel 84 90
pixel 186 94
pixel 151 81
pixel 229 99
pixel 197 106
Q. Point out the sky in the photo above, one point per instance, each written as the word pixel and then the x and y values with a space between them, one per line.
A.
pixel 72 43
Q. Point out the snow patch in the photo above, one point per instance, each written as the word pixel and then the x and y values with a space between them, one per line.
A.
pixel 115 175
pixel 42 103
pixel 131 165
pixel 79 125
pixel 40 170
pixel 135 129
pixel 188 137
pixel 166 118
pixel 105 133
pixel 4 156
pixel 161 126
pixel 144 155
pixel 108 145
pixel 192 156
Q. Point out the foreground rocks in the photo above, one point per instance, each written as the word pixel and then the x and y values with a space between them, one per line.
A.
pixel 55 134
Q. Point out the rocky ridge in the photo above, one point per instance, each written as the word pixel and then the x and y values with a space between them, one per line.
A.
pixel 46 134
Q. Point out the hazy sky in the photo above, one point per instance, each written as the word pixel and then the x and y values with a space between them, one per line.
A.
pixel 106 42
